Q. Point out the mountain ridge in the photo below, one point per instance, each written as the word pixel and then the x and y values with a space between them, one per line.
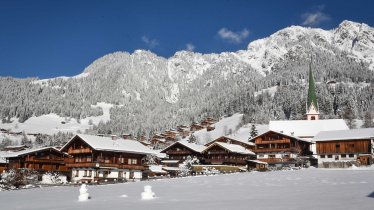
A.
pixel 153 92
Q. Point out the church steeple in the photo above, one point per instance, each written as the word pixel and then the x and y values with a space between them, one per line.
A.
pixel 312 111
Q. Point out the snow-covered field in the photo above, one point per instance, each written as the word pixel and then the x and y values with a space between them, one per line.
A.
pixel 304 189
pixel 51 123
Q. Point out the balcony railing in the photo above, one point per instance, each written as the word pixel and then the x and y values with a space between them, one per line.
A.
pixel 181 152
pixel 264 150
pixel 273 141
pixel 105 165
pixel 79 151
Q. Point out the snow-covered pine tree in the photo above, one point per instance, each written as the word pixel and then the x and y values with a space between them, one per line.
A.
pixel 192 139
pixel 253 131
pixel 368 120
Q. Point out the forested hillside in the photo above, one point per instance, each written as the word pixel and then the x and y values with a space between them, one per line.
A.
pixel 152 93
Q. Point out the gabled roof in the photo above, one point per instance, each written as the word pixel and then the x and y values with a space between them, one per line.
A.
pixel 364 133
pixel 194 147
pixel 307 128
pixel 234 148
pixel 232 139
pixel 280 133
pixel 30 151
pixel 107 144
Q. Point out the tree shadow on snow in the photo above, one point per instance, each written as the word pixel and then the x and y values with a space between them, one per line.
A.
pixel 371 195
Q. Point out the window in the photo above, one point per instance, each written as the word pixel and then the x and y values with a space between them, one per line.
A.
pixel 85 173
pixel 329 156
pixel 88 158
pixel 90 173
pixel 344 155
pixel 132 161
pixel 271 156
pixel 351 155
pixel 337 147
pixel 336 157
pixel 313 118
pixel 261 156
pixel 121 160
pixel 323 156
pixel 76 173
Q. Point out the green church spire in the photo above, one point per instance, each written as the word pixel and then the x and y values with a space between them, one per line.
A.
pixel 312 98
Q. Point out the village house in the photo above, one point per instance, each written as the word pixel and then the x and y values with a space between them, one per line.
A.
pixel 40 159
pixel 183 130
pixel 219 153
pixel 224 139
pixel 180 150
pixel 277 148
pixel 337 148
pixel 15 148
pixel 96 158
pixel 3 162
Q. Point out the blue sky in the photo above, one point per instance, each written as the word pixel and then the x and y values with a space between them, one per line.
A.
pixel 49 38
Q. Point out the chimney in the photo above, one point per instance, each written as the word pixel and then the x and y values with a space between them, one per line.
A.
pixel 114 137
pixel 281 131
pixel 292 133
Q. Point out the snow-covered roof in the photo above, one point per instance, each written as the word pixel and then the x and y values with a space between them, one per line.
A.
pixel 156 169
pixel 29 151
pixel 195 147
pixel 233 139
pixel 364 133
pixel 307 128
pixel 2 156
pixel 107 144
pixel 169 161
pixel 232 148
pixel 170 168
pixel 257 161
pixel 282 133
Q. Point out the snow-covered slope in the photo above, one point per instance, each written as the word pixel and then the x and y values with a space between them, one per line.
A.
pixel 154 93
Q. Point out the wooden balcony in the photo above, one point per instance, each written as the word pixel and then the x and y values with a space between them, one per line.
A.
pixel 79 151
pixel 225 161
pixel 105 165
pixel 217 152
pixel 181 152
pixel 274 141
pixel 44 160
pixel 275 160
pixel 275 150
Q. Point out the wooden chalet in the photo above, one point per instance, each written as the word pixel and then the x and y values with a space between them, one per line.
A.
pixel 127 136
pixel 196 127
pixel 219 153
pixel 15 148
pixel 180 150
pixel 96 158
pixel 257 165
pixel 278 148
pixel 40 159
pixel 342 146
pixel 208 122
pixel 183 130
pixel 246 144
pixel 3 162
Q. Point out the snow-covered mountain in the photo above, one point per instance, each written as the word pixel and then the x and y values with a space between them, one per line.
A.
pixel 150 92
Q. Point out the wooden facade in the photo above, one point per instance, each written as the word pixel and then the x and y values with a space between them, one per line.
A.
pixel 179 151
pixel 3 167
pixel 216 154
pixel 275 147
pixel 225 139
pixel 43 160
pixel 360 146
pixel 101 162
